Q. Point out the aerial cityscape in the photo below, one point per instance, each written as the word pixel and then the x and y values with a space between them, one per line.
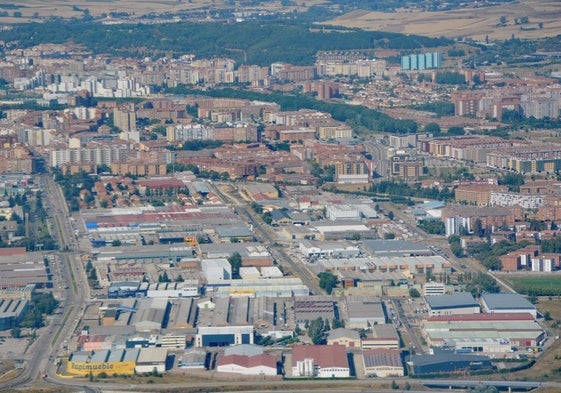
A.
pixel 261 195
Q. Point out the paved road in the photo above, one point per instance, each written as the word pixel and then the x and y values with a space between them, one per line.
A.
pixel 379 158
pixel 268 237
pixel 340 386
pixel 40 356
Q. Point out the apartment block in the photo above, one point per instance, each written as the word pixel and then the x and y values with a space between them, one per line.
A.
pixel 477 194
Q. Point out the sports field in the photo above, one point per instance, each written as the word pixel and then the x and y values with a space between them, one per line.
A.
pixel 538 285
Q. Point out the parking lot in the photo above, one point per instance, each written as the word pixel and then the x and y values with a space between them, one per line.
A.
pixel 11 348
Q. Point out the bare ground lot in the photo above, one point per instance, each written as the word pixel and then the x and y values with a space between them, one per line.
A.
pixel 476 23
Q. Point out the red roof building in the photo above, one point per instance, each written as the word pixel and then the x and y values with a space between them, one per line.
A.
pixel 322 361
pixel 262 364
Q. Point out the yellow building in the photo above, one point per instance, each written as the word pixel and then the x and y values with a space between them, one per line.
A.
pixel 120 361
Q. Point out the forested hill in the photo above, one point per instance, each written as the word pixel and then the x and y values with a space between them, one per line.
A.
pixel 261 43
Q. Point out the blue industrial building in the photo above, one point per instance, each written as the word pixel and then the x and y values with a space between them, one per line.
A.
pixel 421 61
pixel 443 361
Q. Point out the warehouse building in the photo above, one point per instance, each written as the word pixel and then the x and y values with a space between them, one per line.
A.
pixel 346 337
pixel 264 286
pixel 396 248
pixel 123 289
pixel 151 315
pixel 487 346
pixel 382 363
pixel 434 288
pixel 447 362
pixel 321 361
pixel 507 303
pixel 262 364
pixel 214 336
pixel 516 330
pixel 322 249
pixel 188 288
pixel 337 230
pixel 253 254
pixel 193 358
pixel 151 359
pixel 382 337
pixel 120 361
pixel 12 312
pixel 310 308
pixel 452 304
pixel 388 264
pixel 363 312
pixel 218 271
pixel 19 268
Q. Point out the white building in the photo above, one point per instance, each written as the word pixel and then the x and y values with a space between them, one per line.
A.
pixel 150 359
pixel 383 363
pixel 247 365
pixel 507 303
pixel 342 212
pixel 321 361
pixel 217 271
pixel 173 289
pixel 452 304
pixel 222 336
pixel 506 199
pixel 453 225
pixel 434 288
pixel 487 346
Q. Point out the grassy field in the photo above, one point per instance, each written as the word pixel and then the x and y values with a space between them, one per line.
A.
pixel 548 364
pixel 476 23
pixel 539 285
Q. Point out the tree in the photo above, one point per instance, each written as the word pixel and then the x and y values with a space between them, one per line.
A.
pixel 413 292
pixel 235 262
pixel 503 20
pixel 317 331
pixel 455 242
pixel 327 281
pixel 395 386
pixel 390 215
pixel 456 131
pixel 338 323
pixel 389 236
pixel 434 227
pixel 433 128
pixel 547 316
pixel 15 332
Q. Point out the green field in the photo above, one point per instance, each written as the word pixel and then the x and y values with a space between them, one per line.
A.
pixel 541 285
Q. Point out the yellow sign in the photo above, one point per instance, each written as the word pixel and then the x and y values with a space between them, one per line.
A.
pixel 83 368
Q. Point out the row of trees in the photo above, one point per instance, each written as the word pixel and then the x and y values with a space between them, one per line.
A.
pixel 357 116
pixel 318 328
pixel 41 304
pixel 251 42
pixel 404 190
pixel 434 227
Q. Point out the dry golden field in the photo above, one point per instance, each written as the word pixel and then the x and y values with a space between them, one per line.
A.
pixel 40 9
pixel 475 23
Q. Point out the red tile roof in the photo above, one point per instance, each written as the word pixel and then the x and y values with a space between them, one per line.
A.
pixel 323 355
pixel 8 252
pixel 248 361
pixel 482 317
